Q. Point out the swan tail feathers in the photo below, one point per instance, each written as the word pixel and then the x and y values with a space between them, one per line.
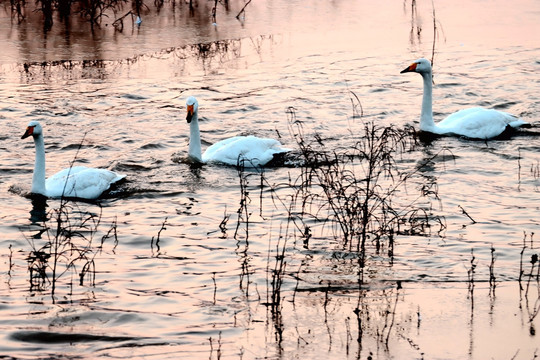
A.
pixel 519 123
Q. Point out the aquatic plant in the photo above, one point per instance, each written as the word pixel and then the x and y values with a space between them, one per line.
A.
pixel 243 213
pixel 522 252
pixel 274 297
pixel 471 271
pixel 492 278
pixel 375 315
pixel 354 191
pixel 223 224
pixel 416 27
pixel 218 350
pixel 10 268
pixel 532 305
pixel 155 240
pixel 69 247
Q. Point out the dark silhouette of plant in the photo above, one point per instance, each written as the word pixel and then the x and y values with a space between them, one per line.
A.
pixel 532 305
pixel 470 277
pixel 492 278
pixel 69 247
pixel 155 240
pixel 274 296
pixel 354 190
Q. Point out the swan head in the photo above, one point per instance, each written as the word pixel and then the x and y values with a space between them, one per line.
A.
pixel 421 66
pixel 34 128
pixel 192 106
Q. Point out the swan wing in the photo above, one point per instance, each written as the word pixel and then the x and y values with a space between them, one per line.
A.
pixel 479 123
pixel 81 182
pixel 253 150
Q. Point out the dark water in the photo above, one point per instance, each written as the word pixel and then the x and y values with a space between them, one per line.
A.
pixel 178 282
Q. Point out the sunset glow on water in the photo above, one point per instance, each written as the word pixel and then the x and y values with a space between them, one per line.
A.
pixel 184 259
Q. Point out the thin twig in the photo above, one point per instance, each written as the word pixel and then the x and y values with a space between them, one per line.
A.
pixel 466 214
pixel 243 10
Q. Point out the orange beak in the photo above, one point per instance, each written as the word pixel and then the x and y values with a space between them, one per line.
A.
pixel 29 131
pixel 189 113
pixel 410 68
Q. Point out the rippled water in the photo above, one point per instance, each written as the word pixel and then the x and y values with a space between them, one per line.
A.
pixel 178 282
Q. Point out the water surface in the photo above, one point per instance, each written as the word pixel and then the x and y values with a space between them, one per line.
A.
pixel 200 291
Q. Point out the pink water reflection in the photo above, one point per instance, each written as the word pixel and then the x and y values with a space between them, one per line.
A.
pixel 200 291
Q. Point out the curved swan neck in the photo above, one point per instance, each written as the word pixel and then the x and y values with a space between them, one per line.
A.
pixel 426 117
pixel 195 139
pixel 38 178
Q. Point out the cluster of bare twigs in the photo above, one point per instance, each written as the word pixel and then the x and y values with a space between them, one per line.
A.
pixel 69 247
pixel 528 277
pixel 353 192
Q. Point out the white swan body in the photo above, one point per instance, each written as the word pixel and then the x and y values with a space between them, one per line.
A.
pixel 250 151
pixel 474 123
pixel 76 182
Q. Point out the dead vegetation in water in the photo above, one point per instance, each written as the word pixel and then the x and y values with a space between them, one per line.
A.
pixel 68 248
pixel 529 277
pixel 357 192
pixel 361 196
pixel 96 10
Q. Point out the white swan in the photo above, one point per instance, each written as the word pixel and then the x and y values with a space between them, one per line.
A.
pixel 474 123
pixel 251 151
pixel 76 182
